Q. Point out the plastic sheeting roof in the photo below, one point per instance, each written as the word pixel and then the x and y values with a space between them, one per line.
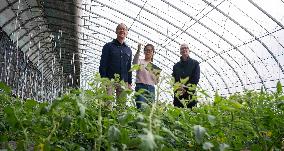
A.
pixel 239 43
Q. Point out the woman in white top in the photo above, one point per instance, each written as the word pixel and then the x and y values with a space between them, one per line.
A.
pixel 147 76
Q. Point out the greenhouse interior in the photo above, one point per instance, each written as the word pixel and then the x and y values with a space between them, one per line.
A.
pixel 54 94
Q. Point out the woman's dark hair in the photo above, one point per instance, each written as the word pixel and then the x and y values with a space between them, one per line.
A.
pixel 152 46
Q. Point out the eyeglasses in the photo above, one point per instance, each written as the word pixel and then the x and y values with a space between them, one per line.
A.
pixel 148 50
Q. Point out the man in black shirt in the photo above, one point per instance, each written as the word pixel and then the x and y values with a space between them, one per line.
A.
pixel 116 59
pixel 186 68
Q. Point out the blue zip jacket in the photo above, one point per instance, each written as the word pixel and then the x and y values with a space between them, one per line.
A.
pixel 116 59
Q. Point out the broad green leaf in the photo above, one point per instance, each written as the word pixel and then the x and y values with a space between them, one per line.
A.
pixel 262 90
pixel 116 77
pixel 169 132
pixel 44 109
pixel 75 91
pixel 89 92
pixel 176 86
pixel 280 103
pixel 140 117
pixel 21 145
pixel 66 121
pixel 113 148
pixel 223 147
pixel 203 92
pixel 142 124
pixel 124 118
pixel 5 88
pixel 135 67
pixel 236 105
pixel 217 98
pixel 191 87
pixel 159 138
pixel 11 118
pixel 147 141
pixel 207 145
pixel 211 119
pixel 113 134
pixel 279 87
pixel 104 96
pixel 124 136
pixel 227 108
pixel 82 109
pixel 124 146
pixel 30 104
pixel 3 138
pixel 199 132
pixel 183 81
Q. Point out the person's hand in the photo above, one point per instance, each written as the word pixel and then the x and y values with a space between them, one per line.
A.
pixel 181 90
pixel 129 86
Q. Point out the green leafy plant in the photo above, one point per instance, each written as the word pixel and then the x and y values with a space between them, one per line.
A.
pixel 83 120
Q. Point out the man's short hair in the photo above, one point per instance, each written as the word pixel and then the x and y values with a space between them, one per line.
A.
pixel 119 25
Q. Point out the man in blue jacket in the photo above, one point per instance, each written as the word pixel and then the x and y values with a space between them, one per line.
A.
pixel 186 68
pixel 116 59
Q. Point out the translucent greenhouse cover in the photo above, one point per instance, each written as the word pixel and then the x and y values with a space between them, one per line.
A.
pixel 238 43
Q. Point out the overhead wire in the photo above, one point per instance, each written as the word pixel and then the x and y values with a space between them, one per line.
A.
pixel 138 14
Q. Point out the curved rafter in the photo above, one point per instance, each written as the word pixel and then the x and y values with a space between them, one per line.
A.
pixel 245 29
pixel 158 44
pixel 38 22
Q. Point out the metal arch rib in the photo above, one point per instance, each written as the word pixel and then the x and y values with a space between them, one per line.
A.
pixel 30 20
pixel 171 60
pixel 221 38
pixel 174 40
pixel 190 35
pixel 244 43
pixel 247 32
pixel 268 15
pixel 47 72
pixel 165 36
pixel 105 41
pixel 9 5
pixel 21 12
pixel 168 59
pixel 143 35
pixel 149 39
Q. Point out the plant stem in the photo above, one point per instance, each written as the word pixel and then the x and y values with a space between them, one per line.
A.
pixel 254 121
pixel 155 104
pixel 98 145
pixel 52 131
pixel 100 126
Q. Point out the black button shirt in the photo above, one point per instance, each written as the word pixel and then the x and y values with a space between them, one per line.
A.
pixel 116 59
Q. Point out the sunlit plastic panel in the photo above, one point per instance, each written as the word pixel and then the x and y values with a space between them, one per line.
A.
pixel 237 44
pixel 273 9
